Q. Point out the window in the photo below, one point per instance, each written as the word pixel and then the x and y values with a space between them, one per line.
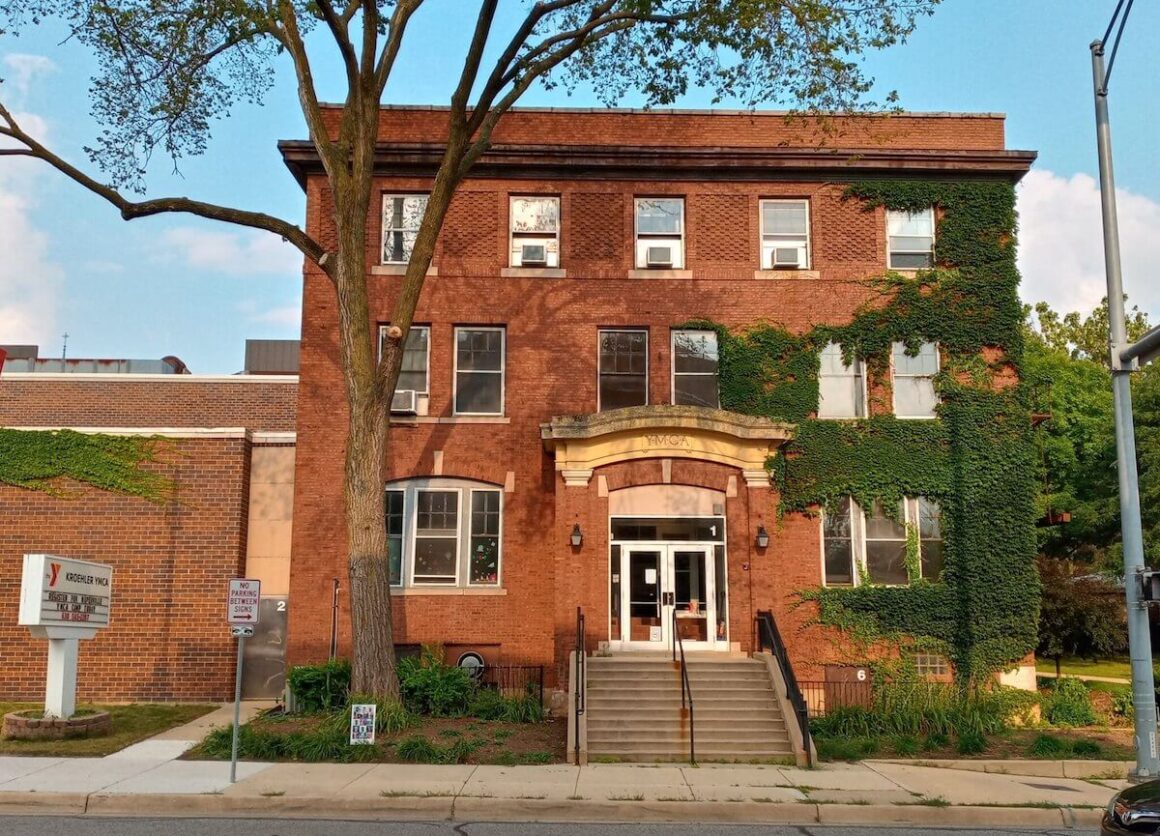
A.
pixel 623 369
pixel 444 532
pixel 395 535
pixel 872 546
pixel 479 371
pixel 535 231
pixel 416 358
pixel 931 664
pixel 913 380
pixel 841 388
pixel 402 215
pixel 838 543
pixel 785 234
pixel 695 368
pixel 910 239
pixel 660 233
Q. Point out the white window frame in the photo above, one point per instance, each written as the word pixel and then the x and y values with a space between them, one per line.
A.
pixel 673 373
pixel 386 229
pixel 552 253
pixel 910 515
pixel 894 375
pixel 774 237
pixel 638 237
pixel 859 372
pixel 427 367
pixel 499 537
pixel 647 359
pixel 502 371
pixel 894 213
pixel 458 533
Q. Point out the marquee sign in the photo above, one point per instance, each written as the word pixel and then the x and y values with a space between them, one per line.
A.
pixel 63 592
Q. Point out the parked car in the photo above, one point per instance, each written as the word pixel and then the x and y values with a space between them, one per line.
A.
pixel 1135 810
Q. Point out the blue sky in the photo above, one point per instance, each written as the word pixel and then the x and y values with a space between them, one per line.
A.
pixel 182 286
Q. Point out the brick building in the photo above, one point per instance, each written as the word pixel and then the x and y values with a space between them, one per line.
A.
pixel 557 440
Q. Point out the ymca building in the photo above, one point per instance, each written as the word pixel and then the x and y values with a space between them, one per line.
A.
pixel 642 343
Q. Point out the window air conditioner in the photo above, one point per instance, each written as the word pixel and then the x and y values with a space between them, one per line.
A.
pixel 404 402
pixel 533 255
pixel 659 256
pixel 791 257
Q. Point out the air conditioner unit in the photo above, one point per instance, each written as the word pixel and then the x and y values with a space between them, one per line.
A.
pixel 535 252
pixel 405 402
pixel 785 256
pixel 659 256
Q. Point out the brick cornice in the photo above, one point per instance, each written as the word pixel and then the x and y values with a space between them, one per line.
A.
pixel 602 162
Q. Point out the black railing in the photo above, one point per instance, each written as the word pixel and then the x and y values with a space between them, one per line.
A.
pixel 686 689
pixel 579 685
pixel 768 638
pixel 514 680
pixel 826 697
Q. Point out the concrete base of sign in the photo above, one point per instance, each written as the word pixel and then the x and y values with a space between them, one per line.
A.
pixel 18 727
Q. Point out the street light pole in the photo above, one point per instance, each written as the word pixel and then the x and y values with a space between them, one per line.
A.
pixel 1139 640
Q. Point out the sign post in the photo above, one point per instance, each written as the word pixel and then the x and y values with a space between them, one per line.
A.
pixel 63 600
pixel 242 602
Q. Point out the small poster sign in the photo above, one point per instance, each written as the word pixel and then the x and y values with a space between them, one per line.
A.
pixel 362 723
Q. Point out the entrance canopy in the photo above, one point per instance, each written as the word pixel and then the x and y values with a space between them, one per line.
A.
pixel 582 443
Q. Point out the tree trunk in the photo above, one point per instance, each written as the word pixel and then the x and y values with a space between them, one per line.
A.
pixel 1057 668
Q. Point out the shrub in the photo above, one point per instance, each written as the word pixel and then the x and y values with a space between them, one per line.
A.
pixel 1048 746
pixel 1086 749
pixel 934 742
pixel 906 745
pixel 390 715
pixel 322 687
pixel 419 749
pixel 1123 704
pixel 971 742
pixel 1069 704
pixel 431 687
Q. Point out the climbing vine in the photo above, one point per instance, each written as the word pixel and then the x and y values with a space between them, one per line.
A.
pixel 37 459
pixel 975 459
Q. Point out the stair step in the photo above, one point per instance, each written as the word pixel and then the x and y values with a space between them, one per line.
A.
pixel 682 748
pixel 677 735
pixel 706 723
pixel 670 700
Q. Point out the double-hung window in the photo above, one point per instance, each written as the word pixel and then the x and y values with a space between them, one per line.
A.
pixel 623 369
pixel 872 546
pixel 785 234
pixel 415 371
pixel 660 233
pixel 841 387
pixel 912 378
pixel 479 371
pixel 535 231
pixel 695 368
pixel 402 215
pixel 910 239
pixel 444 532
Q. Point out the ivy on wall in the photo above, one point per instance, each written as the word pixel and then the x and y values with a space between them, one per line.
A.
pixel 36 459
pixel 976 459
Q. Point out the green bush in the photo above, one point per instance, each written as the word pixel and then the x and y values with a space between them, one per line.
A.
pixel 492 705
pixel 390 715
pixel 419 749
pixel 846 748
pixel 905 745
pixel 431 687
pixel 1123 704
pixel 322 687
pixel 971 742
pixel 934 742
pixel 1086 749
pixel 1069 704
pixel 1048 746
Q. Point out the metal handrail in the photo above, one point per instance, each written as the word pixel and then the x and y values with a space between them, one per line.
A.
pixel 769 637
pixel 579 685
pixel 686 689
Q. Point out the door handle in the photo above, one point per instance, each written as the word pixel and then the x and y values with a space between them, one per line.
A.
pixel 668 599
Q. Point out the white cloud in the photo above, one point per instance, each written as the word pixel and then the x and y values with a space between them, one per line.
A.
pixel 30 279
pixel 234 252
pixel 21 70
pixel 291 315
pixel 1061 251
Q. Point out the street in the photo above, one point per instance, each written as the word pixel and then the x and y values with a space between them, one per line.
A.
pixel 94 826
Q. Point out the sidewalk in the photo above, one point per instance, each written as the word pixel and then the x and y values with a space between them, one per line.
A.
pixel 147 779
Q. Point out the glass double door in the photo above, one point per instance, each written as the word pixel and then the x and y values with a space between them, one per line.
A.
pixel 662 580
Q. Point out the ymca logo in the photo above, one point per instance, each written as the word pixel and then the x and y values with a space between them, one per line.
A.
pixel 55 567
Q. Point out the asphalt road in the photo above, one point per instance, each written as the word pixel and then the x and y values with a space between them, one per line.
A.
pixel 100 826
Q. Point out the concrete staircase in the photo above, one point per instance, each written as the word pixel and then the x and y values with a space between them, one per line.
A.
pixel 634 710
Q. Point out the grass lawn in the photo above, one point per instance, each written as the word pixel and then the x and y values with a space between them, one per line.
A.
pixel 131 723
pixel 1118 668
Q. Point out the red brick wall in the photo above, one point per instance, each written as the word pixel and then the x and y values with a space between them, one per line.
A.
pixel 36 400
pixel 167 639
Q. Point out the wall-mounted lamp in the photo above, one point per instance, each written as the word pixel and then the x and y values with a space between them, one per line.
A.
pixel 577 537
pixel 762 536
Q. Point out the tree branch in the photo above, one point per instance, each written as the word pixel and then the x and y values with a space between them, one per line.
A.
pixel 471 63
pixel 398 26
pixel 339 29
pixel 291 38
pixel 131 210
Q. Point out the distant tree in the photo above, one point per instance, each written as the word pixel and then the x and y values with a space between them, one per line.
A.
pixel 1081 614
pixel 1084 337
pixel 168 69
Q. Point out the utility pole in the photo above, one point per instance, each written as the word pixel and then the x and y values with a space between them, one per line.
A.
pixel 1125 357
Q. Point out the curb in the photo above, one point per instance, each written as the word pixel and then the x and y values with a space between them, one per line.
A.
pixel 472 808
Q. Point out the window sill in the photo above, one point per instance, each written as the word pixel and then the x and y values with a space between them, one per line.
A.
pixel 909 273
pixel 768 275
pixel 916 417
pixel 533 273
pixel 456 419
pixel 660 274
pixel 397 270
pixel 408 591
